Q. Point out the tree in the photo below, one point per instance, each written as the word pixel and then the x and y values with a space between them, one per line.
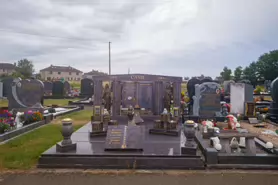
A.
pixel 25 68
pixel 226 74
pixel 267 65
pixel 250 73
pixel 238 73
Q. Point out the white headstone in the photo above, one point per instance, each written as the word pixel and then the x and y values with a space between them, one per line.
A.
pixel 240 94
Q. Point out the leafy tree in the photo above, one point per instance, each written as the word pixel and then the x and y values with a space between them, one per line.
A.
pixel 238 73
pixel 25 68
pixel 226 74
pixel 250 73
pixel 267 65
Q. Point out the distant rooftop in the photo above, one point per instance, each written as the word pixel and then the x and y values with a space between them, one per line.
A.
pixel 61 69
pixel 95 73
pixel 7 66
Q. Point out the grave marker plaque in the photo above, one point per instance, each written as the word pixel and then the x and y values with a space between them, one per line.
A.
pixel 206 99
pixel 124 138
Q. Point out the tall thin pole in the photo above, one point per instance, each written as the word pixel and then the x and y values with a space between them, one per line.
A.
pixel 109 59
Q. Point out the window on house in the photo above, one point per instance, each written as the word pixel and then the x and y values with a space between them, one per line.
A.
pixel 78 79
pixel 77 73
pixel 69 73
pixel 50 72
pixel 59 73
pixel 3 70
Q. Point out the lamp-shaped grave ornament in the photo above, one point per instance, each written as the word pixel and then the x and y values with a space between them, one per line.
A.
pixel 190 146
pixel 66 145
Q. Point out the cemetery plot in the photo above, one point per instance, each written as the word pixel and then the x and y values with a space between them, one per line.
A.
pixel 139 150
pixel 237 150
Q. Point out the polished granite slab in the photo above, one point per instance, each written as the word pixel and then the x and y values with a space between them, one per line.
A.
pixel 159 152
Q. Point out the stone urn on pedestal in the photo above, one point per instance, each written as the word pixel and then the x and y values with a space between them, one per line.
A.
pixel 190 146
pixel 66 145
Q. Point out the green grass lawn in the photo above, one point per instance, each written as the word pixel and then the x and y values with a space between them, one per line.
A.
pixel 47 102
pixel 24 151
pixel 60 102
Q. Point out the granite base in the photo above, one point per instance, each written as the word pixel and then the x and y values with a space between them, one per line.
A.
pixel 65 148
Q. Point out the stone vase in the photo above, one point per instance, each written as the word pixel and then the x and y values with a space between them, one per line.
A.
pixel 189 133
pixel 67 130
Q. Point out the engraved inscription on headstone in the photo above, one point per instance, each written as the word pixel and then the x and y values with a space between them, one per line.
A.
pixel 206 99
pixel 124 138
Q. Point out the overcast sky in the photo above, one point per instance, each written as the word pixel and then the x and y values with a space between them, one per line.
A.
pixel 167 37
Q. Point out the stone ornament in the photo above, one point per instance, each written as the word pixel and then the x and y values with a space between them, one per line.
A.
pixel 234 143
pixel 66 145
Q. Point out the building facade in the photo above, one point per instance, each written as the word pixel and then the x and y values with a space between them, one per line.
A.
pixel 7 69
pixel 67 73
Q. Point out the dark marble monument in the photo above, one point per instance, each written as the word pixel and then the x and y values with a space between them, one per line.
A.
pixel 206 99
pixel 58 88
pixel 273 110
pixel 7 85
pixel 48 86
pixel 87 87
pixel 67 88
pixel 26 94
pixel 146 91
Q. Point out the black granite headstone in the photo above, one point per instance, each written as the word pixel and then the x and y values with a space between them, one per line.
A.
pixel 58 88
pixel 26 93
pixel 87 87
pixel 124 138
pixel 67 87
pixel 48 87
pixel 7 85
pixel 209 98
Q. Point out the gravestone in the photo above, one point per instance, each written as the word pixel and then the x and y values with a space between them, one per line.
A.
pixel 191 87
pixel 7 88
pixel 27 93
pixel 191 92
pixel 206 99
pixel 58 88
pixel 273 110
pixel 244 81
pixel 87 87
pixel 267 85
pixel 125 138
pixel 240 95
pixel 1 90
pixel 48 88
pixel 206 80
pixel 227 86
pixel 67 88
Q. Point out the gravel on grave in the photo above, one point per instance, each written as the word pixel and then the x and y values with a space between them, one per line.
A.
pixel 256 130
pixel 265 137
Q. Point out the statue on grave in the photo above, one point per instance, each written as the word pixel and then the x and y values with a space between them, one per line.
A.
pixel 167 97
pixel 130 116
pixel 107 97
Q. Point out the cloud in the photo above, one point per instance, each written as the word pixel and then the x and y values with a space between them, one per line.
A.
pixel 169 37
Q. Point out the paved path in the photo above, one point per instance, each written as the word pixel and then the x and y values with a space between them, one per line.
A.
pixel 81 178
